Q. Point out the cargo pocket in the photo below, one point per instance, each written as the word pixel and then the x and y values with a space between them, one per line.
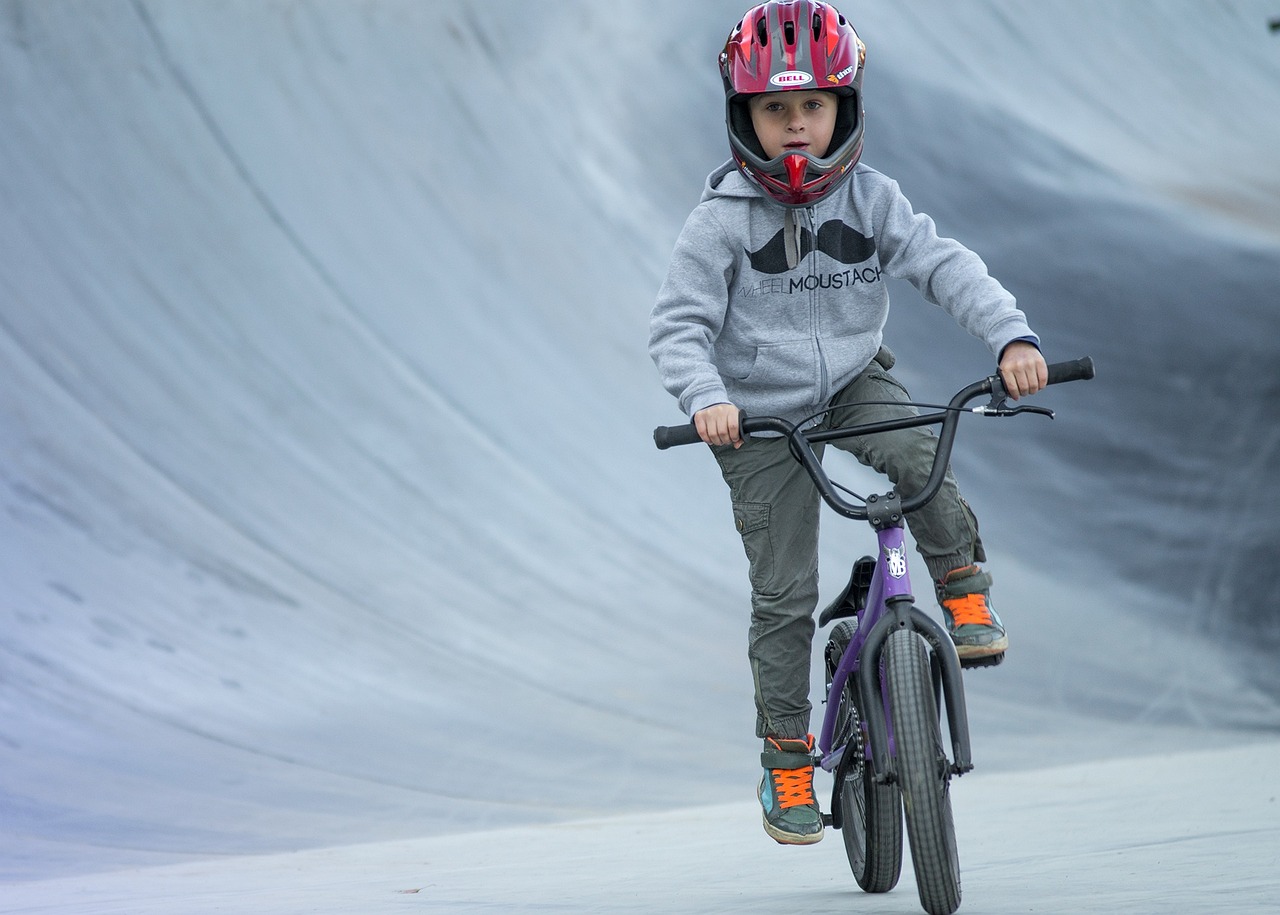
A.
pixel 752 521
pixel 979 554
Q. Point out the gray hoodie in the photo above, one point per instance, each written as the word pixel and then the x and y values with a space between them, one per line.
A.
pixel 775 310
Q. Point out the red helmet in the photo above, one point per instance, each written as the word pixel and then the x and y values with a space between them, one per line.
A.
pixel 794 44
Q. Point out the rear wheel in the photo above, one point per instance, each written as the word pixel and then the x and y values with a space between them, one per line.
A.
pixel 923 771
pixel 870 814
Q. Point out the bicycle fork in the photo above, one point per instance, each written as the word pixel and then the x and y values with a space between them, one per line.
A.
pixel 901 613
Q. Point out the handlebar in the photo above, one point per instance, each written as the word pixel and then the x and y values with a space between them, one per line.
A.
pixel 1071 370
pixel 802 440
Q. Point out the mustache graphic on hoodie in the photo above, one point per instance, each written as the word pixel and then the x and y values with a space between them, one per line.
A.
pixel 835 239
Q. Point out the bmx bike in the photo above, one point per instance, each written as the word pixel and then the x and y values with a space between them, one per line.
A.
pixel 891 668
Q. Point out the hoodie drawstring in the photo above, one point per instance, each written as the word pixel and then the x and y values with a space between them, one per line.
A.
pixel 791 237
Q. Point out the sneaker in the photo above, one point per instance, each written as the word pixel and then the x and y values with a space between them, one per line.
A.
pixel 791 812
pixel 964 594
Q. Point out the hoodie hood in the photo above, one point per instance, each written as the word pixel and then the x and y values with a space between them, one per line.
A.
pixel 727 181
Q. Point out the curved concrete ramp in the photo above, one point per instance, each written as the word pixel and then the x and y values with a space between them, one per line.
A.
pixel 330 510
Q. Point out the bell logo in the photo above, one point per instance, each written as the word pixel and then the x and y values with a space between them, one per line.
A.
pixel 791 78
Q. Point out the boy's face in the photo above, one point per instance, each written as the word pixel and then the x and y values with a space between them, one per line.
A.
pixel 795 121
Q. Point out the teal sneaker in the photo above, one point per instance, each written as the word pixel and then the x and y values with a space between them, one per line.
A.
pixel 791 812
pixel 965 597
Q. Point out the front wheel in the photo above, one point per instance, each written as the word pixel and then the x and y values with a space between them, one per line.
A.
pixel 923 772
pixel 870 814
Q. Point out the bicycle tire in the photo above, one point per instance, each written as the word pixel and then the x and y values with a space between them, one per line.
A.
pixel 870 813
pixel 923 772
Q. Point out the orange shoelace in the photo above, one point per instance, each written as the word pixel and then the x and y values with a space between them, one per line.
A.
pixel 969 609
pixel 793 787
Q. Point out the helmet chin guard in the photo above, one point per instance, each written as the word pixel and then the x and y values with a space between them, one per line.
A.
pixel 796 167
pixel 788 45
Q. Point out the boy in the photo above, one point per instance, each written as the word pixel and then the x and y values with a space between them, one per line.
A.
pixel 775 303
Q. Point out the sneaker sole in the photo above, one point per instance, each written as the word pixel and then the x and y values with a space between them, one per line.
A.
pixel 791 838
pixel 999 646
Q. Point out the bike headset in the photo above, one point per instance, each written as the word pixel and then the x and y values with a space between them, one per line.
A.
pixel 786 45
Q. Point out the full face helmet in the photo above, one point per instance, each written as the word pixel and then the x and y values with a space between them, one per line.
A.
pixel 787 45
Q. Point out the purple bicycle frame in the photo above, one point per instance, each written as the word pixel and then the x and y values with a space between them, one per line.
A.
pixel 891 580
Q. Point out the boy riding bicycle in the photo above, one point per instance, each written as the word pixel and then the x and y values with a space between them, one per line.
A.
pixel 774 304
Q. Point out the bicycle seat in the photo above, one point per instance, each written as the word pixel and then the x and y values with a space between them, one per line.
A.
pixel 854 596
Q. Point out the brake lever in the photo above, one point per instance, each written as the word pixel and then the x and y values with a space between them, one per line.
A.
pixel 999 405
pixel 1003 409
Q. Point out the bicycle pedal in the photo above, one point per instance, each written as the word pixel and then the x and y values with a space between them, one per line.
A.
pixel 828 821
pixel 991 660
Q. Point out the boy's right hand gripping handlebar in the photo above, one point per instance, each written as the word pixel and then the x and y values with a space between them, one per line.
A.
pixel 669 436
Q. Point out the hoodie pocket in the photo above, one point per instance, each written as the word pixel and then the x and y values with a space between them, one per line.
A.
pixel 781 366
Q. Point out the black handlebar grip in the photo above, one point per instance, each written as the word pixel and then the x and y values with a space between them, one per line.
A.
pixel 1074 370
pixel 669 436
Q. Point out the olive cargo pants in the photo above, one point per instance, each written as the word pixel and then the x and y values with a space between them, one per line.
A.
pixel 776 510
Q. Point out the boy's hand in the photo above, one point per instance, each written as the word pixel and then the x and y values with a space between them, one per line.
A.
pixel 1023 369
pixel 718 425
